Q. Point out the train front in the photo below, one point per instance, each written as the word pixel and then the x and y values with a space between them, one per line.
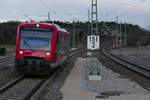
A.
pixel 34 49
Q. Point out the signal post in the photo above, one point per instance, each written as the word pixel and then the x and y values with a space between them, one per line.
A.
pixel 93 43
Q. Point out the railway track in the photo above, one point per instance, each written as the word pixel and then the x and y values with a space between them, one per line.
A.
pixel 25 87
pixel 4 60
pixel 22 88
pixel 131 66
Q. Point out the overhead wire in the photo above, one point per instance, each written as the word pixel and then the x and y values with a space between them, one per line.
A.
pixel 3 19
pixel 45 5
pixel 53 11
pixel 128 10
pixel 131 8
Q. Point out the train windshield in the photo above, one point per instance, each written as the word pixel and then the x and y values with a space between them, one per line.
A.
pixel 35 38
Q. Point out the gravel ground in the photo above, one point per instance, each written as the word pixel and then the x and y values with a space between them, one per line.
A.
pixel 3 57
pixel 111 83
pixel 10 49
pixel 139 55
pixel 21 89
pixel 7 73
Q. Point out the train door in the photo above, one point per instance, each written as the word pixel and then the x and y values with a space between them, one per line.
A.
pixel 66 44
pixel 60 48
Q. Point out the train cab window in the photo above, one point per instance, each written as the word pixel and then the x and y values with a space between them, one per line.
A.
pixel 35 38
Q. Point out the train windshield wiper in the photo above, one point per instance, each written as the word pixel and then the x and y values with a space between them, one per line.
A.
pixel 26 42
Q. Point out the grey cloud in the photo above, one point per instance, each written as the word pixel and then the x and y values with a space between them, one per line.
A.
pixel 11 9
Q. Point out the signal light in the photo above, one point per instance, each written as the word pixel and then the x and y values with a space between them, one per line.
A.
pixel 47 53
pixel 21 52
pixel 37 25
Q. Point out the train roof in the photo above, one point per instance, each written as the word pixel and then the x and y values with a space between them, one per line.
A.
pixel 50 24
pixel 61 29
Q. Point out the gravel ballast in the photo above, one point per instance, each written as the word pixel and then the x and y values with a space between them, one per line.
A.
pixel 140 55
pixel 51 89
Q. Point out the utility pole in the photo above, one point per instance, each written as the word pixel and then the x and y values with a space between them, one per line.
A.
pixel 125 34
pixel 89 21
pixel 93 44
pixel 117 31
pixel 120 33
pixel 73 31
pixel 89 18
pixel 73 34
pixel 94 18
pixel 48 16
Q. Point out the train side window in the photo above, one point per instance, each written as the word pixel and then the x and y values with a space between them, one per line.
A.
pixel 63 42
pixel 60 43
pixel 57 45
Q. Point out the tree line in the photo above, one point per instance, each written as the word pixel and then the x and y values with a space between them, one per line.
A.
pixel 135 34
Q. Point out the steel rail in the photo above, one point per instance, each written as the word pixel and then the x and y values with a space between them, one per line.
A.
pixel 3 60
pixel 11 84
pixel 39 84
pixel 131 66
pixel 51 76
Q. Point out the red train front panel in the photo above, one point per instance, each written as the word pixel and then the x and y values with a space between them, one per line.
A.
pixel 36 50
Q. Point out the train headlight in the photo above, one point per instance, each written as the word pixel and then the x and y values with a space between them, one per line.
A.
pixel 37 25
pixel 47 53
pixel 21 52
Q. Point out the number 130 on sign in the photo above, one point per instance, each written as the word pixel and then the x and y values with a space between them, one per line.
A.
pixel 93 42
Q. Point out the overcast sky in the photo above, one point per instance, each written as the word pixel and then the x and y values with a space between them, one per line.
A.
pixel 131 11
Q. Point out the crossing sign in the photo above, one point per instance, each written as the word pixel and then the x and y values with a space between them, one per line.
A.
pixel 93 42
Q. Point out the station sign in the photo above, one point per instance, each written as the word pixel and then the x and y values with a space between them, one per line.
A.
pixel 93 42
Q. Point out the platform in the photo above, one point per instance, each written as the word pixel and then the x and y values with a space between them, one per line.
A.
pixel 78 87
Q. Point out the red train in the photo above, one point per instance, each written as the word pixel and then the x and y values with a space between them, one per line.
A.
pixel 40 47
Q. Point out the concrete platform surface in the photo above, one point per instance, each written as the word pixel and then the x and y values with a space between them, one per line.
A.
pixel 72 89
